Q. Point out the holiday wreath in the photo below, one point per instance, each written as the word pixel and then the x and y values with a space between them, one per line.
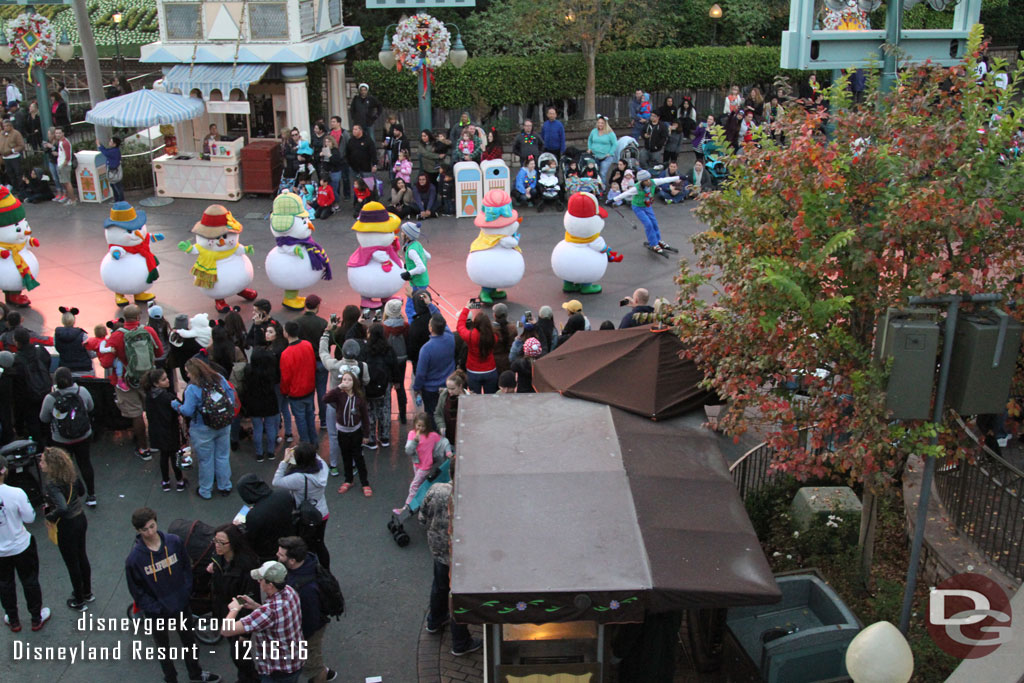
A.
pixel 30 38
pixel 421 44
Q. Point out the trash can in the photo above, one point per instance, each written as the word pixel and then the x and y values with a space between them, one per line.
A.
pixel 93 185
pixel 802 638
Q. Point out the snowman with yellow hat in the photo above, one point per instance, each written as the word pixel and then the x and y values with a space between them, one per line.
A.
pixel 375 268
pixel 223 267
pixel 18 265
pixel 495 259
pixel 129 266
pixel 297 262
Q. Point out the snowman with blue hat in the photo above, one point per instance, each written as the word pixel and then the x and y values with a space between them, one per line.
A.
pixel 129 266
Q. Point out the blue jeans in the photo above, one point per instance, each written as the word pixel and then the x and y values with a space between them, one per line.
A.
pixel 605 167
pixel 321 389
pixel 212 448
pixel 305 420
pixel 118 190
pixel 483 382
pixel 332 435
pixel 286 411
pixel 264 434
pixel 646 216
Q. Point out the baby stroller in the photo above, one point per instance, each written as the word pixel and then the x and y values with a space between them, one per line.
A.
pixel 547 182
pixel 629 151
pixel 439 474
pixel 713 163
pixel 23 468
pixel 197 537
pixel 589 179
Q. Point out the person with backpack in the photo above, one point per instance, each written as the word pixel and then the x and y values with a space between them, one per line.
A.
pixel 381 361
pixel 31 384
pixel 210 406
pixel 396 331
pixel 63 491
pixel 137 346
pixel 164 426
pixel 66 409
pixel 320 598
pixel 304 475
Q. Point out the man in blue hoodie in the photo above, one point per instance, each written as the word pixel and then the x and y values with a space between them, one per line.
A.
pixel 552 133
pixel 301 564
pixel 436 362
pixel 159 576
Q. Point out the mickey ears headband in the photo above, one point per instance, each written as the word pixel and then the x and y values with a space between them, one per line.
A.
pixel 65 309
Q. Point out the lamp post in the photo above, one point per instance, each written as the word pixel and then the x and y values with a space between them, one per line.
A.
pixel 116 18
pixel 715 13
pixel 457 55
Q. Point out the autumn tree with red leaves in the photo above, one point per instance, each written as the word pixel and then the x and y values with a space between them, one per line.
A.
pixel 914 192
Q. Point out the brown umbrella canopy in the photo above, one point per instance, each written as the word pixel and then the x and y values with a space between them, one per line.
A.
pixel 638 369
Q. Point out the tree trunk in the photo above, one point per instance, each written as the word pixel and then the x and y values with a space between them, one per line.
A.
pixel 91 59
pixel 590 93
pixel 866 542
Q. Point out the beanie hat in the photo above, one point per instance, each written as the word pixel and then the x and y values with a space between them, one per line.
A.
pixel 6 360
pixel 532 348
pixel 411 230
pixel 11 210
pixel 585 205
pixel 350 349
pixel 643 175
pixel 393 309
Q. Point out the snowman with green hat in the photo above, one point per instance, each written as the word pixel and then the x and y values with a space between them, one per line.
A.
pixel 297 262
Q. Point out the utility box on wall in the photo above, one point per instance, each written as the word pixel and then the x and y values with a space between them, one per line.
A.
pixel 984 359
pixel 913 345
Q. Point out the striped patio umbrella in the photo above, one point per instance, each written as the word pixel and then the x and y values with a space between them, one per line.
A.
pixel 144 108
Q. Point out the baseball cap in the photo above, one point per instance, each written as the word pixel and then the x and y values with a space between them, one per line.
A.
pixel 572 306
pixel 312 301
pixel 156 312
pixel 273 572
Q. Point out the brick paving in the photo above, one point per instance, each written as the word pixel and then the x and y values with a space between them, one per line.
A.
pixel 435 662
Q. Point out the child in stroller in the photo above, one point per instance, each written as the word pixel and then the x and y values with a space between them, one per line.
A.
pixel 548 188
pixel 628 150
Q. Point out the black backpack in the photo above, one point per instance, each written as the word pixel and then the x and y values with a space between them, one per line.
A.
pixel 379 376
pixel 216 407
pixel 70 416
pixel 332 601
pixel 37 373
pixel 306 516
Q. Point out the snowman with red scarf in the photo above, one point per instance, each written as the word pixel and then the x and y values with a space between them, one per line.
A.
pixel 581 259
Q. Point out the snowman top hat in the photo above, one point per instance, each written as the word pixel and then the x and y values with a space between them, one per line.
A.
pixel 216 221
pixel 11 210
pixel 585 205
pixel 124 215
pixel 496 211
pixel 375 218
pixel 287 207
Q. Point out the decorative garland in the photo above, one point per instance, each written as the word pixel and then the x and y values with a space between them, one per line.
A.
pixel 421 45
pixel 30 38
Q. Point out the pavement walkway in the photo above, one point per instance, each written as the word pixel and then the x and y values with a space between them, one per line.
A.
pixel 386 587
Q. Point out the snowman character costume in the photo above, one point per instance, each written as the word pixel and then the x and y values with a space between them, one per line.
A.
pixel 416 258
pixel 375 268
pixel 18 265
pixel 495 259
pixel 223 267
pixel 581 259
pixel 297 262
pixel 129 267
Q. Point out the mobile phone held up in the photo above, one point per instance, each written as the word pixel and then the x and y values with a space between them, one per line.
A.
pixel 474 304
pixel 624 302
pixel 334 318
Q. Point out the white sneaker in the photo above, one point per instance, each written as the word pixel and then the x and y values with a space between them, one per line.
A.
pixel 1003 441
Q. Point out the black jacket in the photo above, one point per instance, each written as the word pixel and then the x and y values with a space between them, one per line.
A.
pixel 258 398
pixel 313 618
pixel 360 154
pixel 270 517
pixel 419 330
pixel 63 501
pixel 68 342
pixel 655 136
pixel 230 579
pixel 525 145
pixel 640 315
pixel 311 327
pixel 364 111
pixel 164 429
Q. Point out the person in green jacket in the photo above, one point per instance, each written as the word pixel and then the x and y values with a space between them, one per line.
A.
pixel 416 258
pixel 602 143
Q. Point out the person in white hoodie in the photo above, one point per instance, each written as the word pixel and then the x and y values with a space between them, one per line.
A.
pixel 18 554
pixel 304 474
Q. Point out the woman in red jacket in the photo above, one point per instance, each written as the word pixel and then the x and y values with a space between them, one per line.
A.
pixel 480 339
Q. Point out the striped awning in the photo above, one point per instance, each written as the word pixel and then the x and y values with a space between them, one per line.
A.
pixel 143 108
pixel 209 77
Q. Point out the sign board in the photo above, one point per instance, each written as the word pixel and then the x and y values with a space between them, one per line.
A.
pixel 415 5
pixel 229 107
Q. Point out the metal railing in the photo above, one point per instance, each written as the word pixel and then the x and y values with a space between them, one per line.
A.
pixel 983 500
pixel 752 472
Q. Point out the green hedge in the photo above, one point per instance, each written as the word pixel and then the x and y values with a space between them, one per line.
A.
pixel 498 81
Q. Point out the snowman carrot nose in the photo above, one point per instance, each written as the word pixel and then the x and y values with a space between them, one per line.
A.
pixel 220 242
pixel 137 233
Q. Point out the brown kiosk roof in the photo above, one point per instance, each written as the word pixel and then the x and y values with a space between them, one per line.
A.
pixel 567 509
pixel 638 369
